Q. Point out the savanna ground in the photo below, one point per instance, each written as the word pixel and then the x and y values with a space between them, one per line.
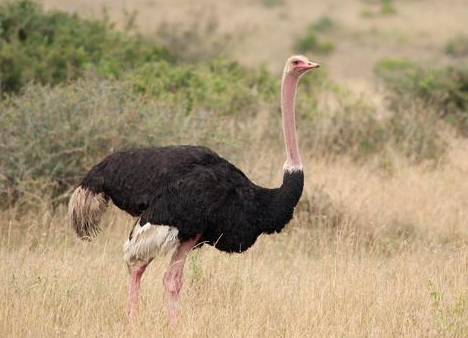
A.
pixel 379 243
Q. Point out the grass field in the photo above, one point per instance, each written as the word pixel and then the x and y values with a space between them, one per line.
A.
pixel 396 267
pixel 374 250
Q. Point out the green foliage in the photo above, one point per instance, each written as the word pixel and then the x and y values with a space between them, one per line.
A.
pixel 219 85
pixel 310 42
pixel 49 137
pixel 324 24
pixel 386 7
pixel 52 47
pixel 272 3
pixel 350 128
pixel 442 91
pixel 458 46
pixel 366 13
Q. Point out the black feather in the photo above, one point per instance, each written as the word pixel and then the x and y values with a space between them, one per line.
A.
pixel 197 191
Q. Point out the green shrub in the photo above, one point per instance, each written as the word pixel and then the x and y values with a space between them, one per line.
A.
pixel 219 85
pixel 324 24
pixel 350 128
pixel 272 3
pixel 52 47
pixel 458 46
pixel 354 129
pixel 310 42
pixel 386 7
pixel 442 91
pixel 49 137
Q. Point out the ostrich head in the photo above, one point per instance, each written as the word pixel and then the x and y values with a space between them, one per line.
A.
pixel 298 65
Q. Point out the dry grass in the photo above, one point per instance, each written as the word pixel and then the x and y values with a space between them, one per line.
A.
pixel 394 263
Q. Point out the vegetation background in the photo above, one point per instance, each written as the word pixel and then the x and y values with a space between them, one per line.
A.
pixel 379 243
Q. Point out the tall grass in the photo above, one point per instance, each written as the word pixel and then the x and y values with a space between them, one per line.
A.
pixel 345 266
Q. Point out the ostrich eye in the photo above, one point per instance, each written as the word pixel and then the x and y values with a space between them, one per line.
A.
pixel 296 62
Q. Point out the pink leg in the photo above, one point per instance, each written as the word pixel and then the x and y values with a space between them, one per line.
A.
pixel 133 293
pixel 173 277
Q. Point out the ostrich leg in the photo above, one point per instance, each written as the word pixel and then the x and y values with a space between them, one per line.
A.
pixel 173 277
pixel 134 291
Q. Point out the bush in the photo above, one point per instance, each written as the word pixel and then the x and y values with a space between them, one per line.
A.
pixel 458 46
pixel 386 7
pixel 353 128
pixel 219 85
pixel 310 42
pixel 442 91
pixel 52 47
pixel 49 137
pixel 350 128
pixel 324 24
pixel 272 3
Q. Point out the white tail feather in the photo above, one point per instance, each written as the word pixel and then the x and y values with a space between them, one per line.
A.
pixel 85 209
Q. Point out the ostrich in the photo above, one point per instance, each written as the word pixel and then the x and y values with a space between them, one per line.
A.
pixel 184 196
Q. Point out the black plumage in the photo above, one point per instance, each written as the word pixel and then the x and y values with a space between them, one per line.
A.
pixel 196 191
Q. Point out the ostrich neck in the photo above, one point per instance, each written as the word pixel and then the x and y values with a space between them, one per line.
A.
pixel 280 202
pixel 288 94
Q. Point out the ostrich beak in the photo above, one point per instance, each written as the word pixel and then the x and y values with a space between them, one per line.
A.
pixel 311 65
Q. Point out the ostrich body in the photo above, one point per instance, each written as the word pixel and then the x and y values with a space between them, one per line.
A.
pixel 184 196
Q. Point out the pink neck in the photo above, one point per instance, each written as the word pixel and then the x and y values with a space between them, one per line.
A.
pixel 288 93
